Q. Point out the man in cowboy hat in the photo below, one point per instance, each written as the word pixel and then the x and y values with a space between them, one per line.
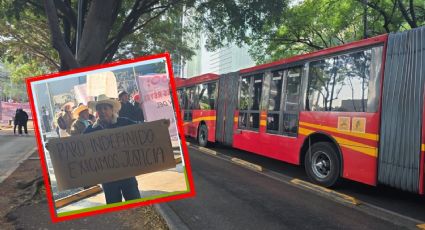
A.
pixel 107 109
pixel 81 114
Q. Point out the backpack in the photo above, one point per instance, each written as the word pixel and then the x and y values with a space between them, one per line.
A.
pixel 62 122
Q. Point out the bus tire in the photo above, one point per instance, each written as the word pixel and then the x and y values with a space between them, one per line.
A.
pixel 203 135
pixel 322 164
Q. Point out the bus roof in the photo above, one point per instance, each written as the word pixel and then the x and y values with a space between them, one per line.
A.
pixel 348 46
pixel 196 80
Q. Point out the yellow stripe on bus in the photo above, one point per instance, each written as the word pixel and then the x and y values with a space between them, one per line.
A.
pixel 263 123
pixel 207 118
pixel 423 147
pixel 235 119
pixel 369 136
pixel 356 146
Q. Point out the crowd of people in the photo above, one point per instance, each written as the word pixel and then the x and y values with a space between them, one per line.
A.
pixel 103 113
pixel 73 120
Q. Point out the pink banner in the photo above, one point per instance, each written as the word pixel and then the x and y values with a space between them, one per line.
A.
pixel 8 110
pixel 155 100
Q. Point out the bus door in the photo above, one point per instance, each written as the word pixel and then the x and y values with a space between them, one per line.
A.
pixel 282 107
pixel 181 95
pixel 192 104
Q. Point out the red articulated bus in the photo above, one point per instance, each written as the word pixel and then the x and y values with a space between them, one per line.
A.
pixel 197 98
pixel 353 111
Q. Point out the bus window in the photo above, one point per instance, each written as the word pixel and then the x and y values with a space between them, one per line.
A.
pixel 292 101
pixel 249 101
pixel 207 94
pixel 244 93
pixel 182 98
pixel 257 89
pixel 192 98
pixel 203 96
pixel 243 102
pixel 275 95
pixel 212 94
pixel 341 83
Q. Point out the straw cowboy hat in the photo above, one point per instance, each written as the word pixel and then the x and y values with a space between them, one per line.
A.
pixel 70 104
pixel 103 99
pixel 76 112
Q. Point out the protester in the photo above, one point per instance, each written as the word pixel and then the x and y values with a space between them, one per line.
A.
pixel 138 109
pixel 22 121
pixel 127 109
pixel 82 121
pixel 92 118
pixel 15 121
pixel 45 118
pixel 65 120
pixel 107 110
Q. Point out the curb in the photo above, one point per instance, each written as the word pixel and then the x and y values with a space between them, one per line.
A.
pixel 171 218
pixel 209 151
pixel 247 164
pixel 78 196
pixel 325 191
pixel 420 226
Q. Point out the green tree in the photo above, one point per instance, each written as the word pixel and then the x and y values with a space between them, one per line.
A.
pixel 116 29
pixel 317 24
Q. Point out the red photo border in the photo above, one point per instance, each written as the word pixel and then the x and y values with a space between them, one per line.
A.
pixel 49 195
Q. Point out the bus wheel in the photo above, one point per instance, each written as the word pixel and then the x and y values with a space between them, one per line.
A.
pixel 203 135
pixel 322 164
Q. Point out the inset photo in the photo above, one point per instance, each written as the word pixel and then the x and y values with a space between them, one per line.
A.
pixel 108 137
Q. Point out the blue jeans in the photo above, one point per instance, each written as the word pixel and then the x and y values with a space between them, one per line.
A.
pixel 115 190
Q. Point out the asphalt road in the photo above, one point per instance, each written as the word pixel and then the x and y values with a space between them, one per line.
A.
pixel 394 200
pixel 14 149
pixel 229 196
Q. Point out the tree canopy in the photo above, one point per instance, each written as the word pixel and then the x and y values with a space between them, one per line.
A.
pixel 46 32
pixel 317 24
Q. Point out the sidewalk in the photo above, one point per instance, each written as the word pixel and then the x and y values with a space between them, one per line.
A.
pixel 151 184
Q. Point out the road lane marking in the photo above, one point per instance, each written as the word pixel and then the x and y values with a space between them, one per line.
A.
pixel 331 193
pixel 247 164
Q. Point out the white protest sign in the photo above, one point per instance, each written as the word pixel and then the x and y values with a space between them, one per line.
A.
pixel 102 83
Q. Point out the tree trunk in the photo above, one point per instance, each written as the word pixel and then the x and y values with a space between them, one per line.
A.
pixel 58 42
pixel 96 30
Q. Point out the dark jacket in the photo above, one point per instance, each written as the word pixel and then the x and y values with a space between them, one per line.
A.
pixel 24 116
pixel 129 111
pixel 139 111
pixel 21 117
pixel 78 127
pixel 121 121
